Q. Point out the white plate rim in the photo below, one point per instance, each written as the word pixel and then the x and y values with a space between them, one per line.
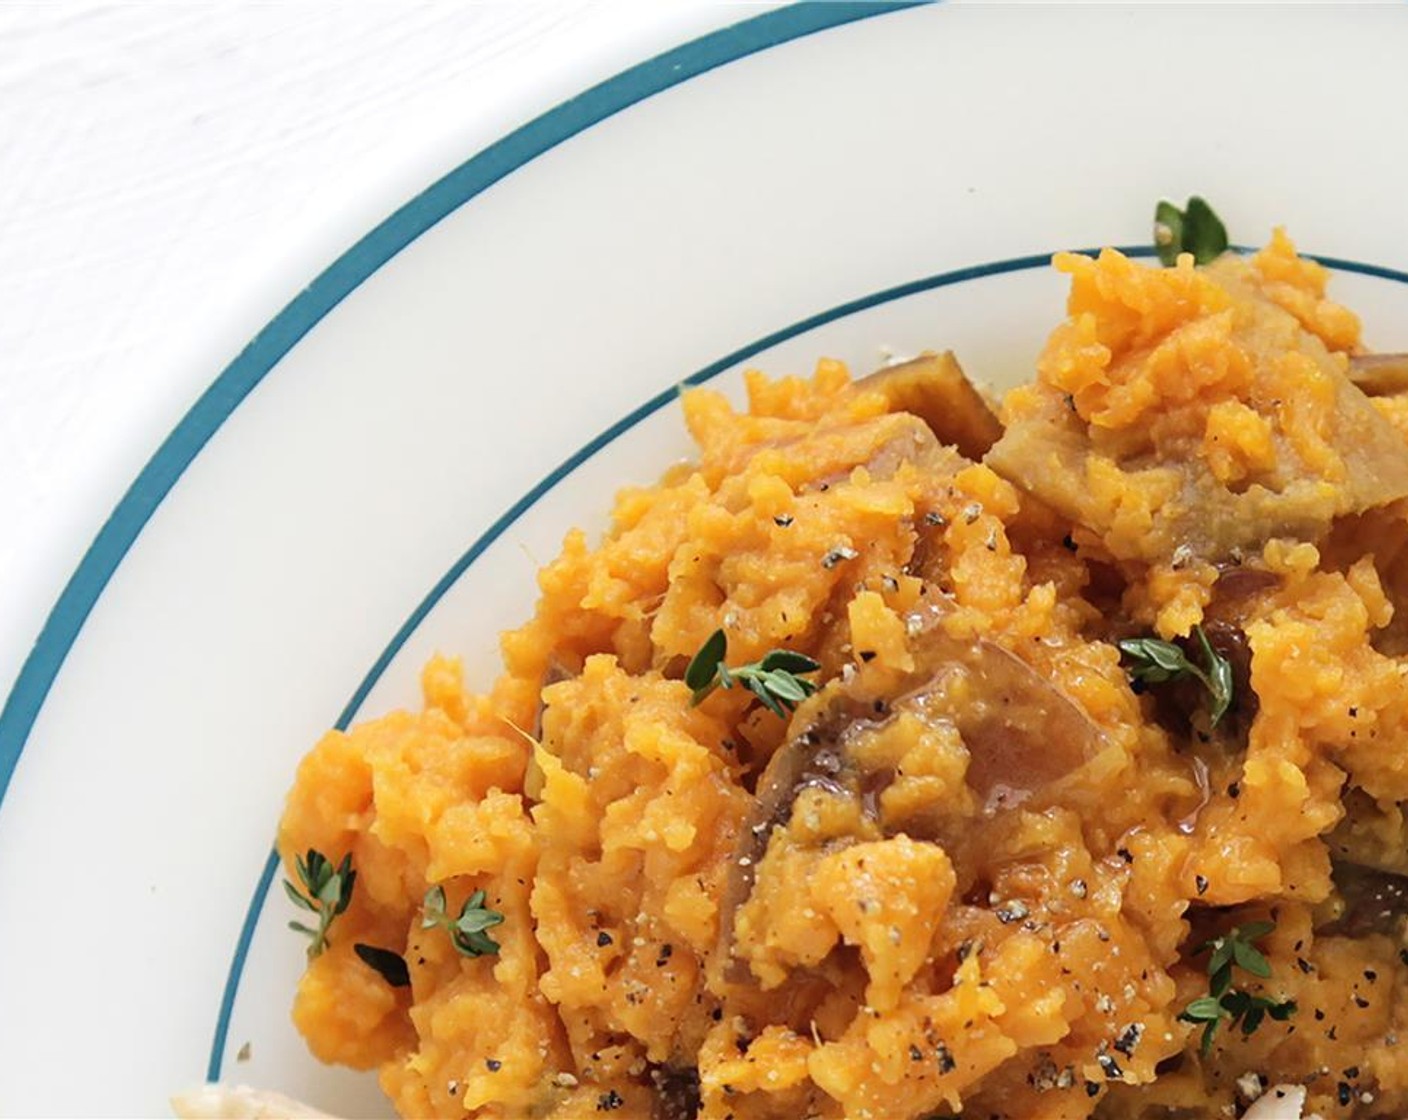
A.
pixel 352 268
pixel 261 355
pixel 264 352
pixel 619 428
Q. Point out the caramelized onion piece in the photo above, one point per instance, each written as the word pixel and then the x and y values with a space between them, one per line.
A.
pixel 1380 375
pixel 676 1092
pixel 1022 733
pixel 1235 586
pixel 1142 479
pixel 1051 457
pixel 934 388
pixel 1373 901
pixel 882 445
pixel 1370 835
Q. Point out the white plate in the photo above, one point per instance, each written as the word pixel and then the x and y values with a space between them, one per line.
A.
pixel 378 475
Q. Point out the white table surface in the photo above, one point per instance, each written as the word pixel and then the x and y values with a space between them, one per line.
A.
pixel 172 174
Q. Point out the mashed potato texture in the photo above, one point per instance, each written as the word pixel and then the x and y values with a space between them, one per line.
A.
pixel 972 874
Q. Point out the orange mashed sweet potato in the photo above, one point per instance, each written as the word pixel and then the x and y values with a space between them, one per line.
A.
pixel 974 873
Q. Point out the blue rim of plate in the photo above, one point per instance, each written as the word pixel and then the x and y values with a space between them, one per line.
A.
pixel 584 453
pixel 442 586
pixel 161 473
pixel 65 621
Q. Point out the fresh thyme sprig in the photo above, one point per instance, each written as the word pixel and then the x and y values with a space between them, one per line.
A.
pixel 327 892
pixel 1154 661
pixel 467 931
pixel 773 679
pixel 1195 229
pixel 1224 1002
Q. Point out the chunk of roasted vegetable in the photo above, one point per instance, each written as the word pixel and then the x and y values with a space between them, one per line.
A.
pixel 934 388
pixel 1185 414
pixel 1020 733
pixel 1380 375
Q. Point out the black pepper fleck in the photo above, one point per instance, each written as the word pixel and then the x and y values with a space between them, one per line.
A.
pixel 836 555
pixel 493 1065
pixel 603 939
pixel 1201 883
pixel 1129 1039
pixel 1010 912
pixel 1110 1066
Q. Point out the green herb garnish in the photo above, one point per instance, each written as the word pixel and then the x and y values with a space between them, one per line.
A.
pixel 327 892
pixel 1195 229
pixel 390 966
pixel 466 931
pixel 1224 1002
pixel 773 679
pixel 1154 661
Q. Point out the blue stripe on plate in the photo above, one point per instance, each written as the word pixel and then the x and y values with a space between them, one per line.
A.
pixel 572 462
pixel 195 429
pixel 236 382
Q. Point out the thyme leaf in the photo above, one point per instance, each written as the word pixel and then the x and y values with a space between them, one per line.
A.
pixel 1234 1006
pixel 467 931
pixel 776 678
pixel 1195 229
pixel 1155 661
pixel 325 890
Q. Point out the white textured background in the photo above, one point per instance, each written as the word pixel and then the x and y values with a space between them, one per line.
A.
pixel 171 174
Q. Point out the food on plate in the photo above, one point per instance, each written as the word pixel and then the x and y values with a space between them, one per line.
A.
pixel 1204 442
pixel 905 756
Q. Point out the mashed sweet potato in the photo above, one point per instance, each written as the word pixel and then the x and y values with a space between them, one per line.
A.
pixel 972 874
